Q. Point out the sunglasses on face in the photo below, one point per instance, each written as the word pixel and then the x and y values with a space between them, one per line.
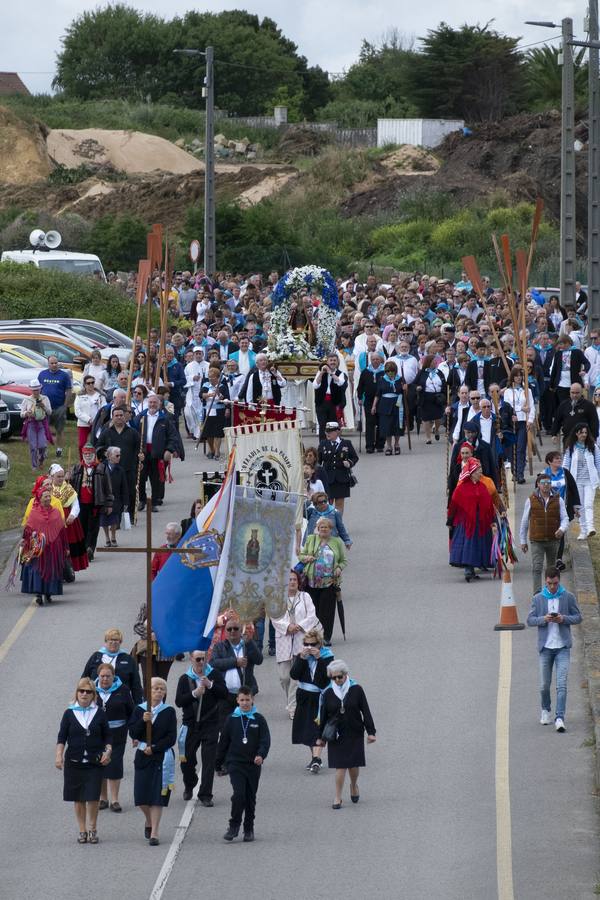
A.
pixel 338 677
pixel 232 629
pixel 309 645
pixel 84 691
pixel 198 659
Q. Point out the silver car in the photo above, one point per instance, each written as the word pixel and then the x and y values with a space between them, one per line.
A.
pixel 4 468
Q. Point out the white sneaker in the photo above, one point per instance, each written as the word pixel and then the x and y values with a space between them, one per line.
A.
pixel 559 725
pixel 545 717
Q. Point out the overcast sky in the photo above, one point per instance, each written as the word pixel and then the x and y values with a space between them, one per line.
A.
pixel 327 32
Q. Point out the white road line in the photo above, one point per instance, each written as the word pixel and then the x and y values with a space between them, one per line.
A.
pixel 504 865
pixel 18 629
pixel 167 867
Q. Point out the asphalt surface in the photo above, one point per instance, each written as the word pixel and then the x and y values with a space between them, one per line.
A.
pixel 422 644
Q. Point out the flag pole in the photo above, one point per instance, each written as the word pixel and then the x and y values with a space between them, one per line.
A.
pixel 149 640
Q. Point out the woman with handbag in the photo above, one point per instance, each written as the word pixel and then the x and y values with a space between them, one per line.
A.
pixel 309 669
pixel 82 748
pixel 344 716
pixel 431 388
pixel 62 491
pixel 324 557
pixel 299 617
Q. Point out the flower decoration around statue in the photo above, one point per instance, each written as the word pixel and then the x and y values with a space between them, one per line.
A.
pixel 293 334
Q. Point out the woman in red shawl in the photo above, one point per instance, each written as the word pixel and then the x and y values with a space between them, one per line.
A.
pixel 43 547
pixel 471 516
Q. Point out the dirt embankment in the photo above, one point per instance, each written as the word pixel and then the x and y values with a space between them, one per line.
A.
pixel 519 156
pixel 23 155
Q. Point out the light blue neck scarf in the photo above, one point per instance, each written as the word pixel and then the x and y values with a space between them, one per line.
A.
pixel 550 596
pixel 237 713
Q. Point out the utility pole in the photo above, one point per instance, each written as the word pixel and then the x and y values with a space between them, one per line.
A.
pixel 209 170
pixel 567 174
pixel 593 169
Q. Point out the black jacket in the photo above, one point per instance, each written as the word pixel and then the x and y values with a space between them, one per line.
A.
pixel 209 719
pixel 101 485
pixel 118 480
pixel 257 389
pixel 231 749
pixel 578 359
pixel 566 417
pixel 128 442
pixel 300 671
pixel 332 456
pixel 223 658
pixel 164 434
pixel 367 387
pixel 125 667
pixel 118 708
pixel 471 375
pixel 356 718
pixel 78 741
pixel 164 735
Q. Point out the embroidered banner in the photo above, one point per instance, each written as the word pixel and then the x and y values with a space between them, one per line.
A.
pixel 260 553
pixel 253 414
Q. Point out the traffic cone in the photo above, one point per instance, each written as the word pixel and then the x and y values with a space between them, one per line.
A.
pixel 509 618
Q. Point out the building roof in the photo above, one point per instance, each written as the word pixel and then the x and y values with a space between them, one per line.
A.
pixel 10 83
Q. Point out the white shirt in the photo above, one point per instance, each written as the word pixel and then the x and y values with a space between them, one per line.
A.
pixel 565 373
pixel 594 359
pixel 244 362
pixel 360 344
pixel 486 427
pixel 233 677
pixel 195 368
pixel 564 518
pixel 408 367
pixel 459 423
pixel 518 400
pixel 553 640
pixel 151 421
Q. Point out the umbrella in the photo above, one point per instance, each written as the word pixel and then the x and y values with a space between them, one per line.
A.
pixel 340 609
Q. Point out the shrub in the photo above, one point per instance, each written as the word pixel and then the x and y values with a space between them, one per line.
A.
pixel 74 230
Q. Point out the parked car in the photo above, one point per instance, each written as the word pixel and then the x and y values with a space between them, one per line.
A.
pixel 11 395
pixel 92 331
pixel 69 351
pixel 4 468
pixel 53 328
pixel 17 370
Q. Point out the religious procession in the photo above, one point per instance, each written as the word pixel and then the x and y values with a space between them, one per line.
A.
pixel 275 394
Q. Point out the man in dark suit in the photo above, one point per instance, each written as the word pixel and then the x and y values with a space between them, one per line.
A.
pixel 159 442
pixel 235 658
pixel 545 351
pixel 366 391
pixel 330 392
pixel 337 456
pixel 199 691
pixel 573 411
pixel 478 371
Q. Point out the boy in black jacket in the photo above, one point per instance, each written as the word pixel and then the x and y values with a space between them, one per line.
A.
pixel 243 747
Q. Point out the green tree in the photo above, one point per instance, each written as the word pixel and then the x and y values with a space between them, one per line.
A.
pixel 543 76
pixel 469 73
pixel 119 241
pixel 382 71
pixel 110 52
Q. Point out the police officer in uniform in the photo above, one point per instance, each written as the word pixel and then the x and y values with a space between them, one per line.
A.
pixel 337 456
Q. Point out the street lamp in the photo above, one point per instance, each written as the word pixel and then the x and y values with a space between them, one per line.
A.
pixel 209 159
pixel 567 165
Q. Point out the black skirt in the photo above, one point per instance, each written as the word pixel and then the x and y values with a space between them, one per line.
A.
pixel 83 782
pixel 147 785
pixel 214 425
pixel 431 408
pixel 304 728
pixel 347 752
pixel 114 770
pixel 336 490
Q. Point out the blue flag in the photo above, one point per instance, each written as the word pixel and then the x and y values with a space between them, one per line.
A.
pixel 181 598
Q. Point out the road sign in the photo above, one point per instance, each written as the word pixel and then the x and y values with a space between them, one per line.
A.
pixel 195 251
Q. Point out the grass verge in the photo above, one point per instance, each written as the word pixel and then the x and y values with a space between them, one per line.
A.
pixel 15 496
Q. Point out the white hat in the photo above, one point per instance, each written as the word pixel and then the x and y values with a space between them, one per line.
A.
pixel 332 426
pixel 34 383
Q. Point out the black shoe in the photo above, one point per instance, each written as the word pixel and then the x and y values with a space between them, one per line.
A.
pixel 370 450
pixel 39 599
pixel 59 451
pixel 188 794
pixel 271 651
pixel 327 643
pixel 560 565
pixel 248 837
pixel 154 842
pixel 159 502
pixel 231 833
pixel 355 797
pixel 520 481
pixel 141 506
pixel 147 832
pixel 90 553
pixel 48 598
pixel 206 801
pixel 155 509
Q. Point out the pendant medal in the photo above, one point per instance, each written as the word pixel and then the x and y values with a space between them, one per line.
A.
pixel 244 740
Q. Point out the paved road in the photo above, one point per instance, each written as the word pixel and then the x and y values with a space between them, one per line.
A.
pixel 421 642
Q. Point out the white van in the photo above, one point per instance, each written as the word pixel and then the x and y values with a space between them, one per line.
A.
pixel 45 255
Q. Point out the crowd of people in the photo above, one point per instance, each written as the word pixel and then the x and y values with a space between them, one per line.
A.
pixel 416 359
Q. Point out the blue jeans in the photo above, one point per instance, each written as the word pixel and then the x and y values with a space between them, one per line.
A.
pixel 259 624
pixel 561 659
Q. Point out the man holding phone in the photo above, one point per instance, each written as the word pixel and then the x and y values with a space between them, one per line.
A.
pixel 553 611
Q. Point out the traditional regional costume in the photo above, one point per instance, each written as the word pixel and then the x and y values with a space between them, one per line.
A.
pixel 471 515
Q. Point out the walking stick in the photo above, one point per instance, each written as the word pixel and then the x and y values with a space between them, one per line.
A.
pixel 360 427
pixel 447 434
pixel 149 642
pixel 139 470
pixel 406 413
pixel 503 484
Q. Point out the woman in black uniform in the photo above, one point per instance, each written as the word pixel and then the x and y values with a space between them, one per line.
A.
pixel 388 404
pixel 309 669
pixel 344 707
pixel 212 393
pixel 115 699
pixel 82 748
pixel 154 763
